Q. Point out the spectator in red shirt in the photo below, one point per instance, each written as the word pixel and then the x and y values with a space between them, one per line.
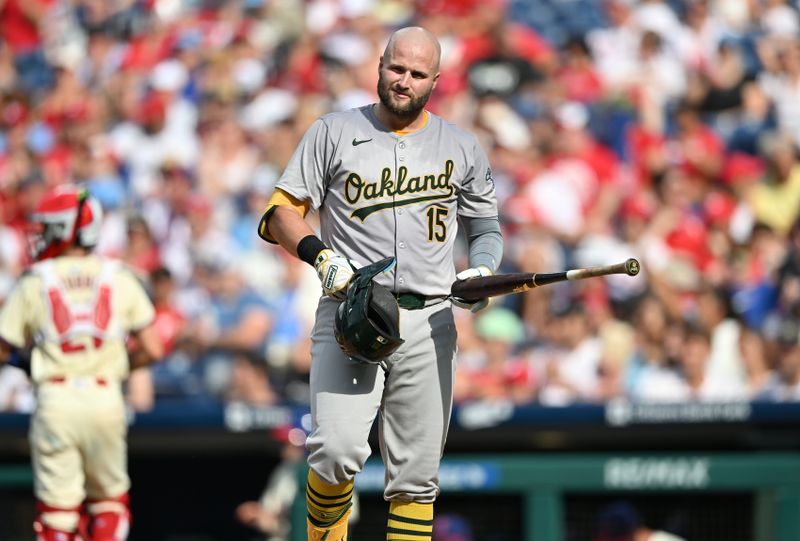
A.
pixel 574 142
pixel 577 74
pixel 170 322
pixel 141 252
pixel 699 150
pixel 20 21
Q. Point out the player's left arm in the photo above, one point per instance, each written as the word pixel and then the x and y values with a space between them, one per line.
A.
pixel 485 239
pixel 476 196
pixel 477 209
pixel 146 346
pixel 485 253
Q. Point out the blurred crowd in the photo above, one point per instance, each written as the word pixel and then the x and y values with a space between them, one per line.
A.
pixel 666 130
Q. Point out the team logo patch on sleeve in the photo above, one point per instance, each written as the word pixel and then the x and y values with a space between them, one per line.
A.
pixel 489 179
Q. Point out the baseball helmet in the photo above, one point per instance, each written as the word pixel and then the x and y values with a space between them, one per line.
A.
pixel 65 217
pixel 367 322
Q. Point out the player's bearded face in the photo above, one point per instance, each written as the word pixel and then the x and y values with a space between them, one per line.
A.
pixel 407 108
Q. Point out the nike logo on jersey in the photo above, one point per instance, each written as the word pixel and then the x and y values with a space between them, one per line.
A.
pixel 356 142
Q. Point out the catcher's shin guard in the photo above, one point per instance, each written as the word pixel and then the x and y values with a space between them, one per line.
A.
pixel 329 508
pixel 56 523
pixel 109 520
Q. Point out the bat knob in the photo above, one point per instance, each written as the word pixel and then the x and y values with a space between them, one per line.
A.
pixel 632 267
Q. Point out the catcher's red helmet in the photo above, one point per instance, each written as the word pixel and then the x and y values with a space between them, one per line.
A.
pixel 67 216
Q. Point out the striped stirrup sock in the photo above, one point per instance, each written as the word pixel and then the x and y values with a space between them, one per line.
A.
pixel 410 521
pixel 326 503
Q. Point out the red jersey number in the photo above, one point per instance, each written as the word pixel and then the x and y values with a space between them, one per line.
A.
pixel 63 318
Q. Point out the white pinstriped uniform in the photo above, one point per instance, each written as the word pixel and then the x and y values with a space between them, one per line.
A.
pixel 77 311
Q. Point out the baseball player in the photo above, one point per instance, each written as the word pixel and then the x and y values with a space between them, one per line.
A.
pixel 67 321
pixel 388 180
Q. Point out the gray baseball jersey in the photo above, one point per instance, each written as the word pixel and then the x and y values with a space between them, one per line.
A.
pixel 387 194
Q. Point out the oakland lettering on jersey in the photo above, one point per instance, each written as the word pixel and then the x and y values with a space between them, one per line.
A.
pixel 357 189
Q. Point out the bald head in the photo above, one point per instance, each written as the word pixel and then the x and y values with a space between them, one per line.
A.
pixel 417 42
pixel 407 74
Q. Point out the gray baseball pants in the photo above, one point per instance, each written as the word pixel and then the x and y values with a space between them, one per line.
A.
pixel 414 397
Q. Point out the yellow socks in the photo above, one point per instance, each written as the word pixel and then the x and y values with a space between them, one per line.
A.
pixel 328 508
pixel 410 521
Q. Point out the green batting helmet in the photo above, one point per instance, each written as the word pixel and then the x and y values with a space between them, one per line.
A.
pixel 367 323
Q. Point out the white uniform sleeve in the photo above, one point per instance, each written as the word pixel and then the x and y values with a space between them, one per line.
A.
pixel 307 175
pixel 477 198
pixel 138 311
pixel 15 314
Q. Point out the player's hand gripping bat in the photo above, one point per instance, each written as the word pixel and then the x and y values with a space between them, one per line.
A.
pixel 481 287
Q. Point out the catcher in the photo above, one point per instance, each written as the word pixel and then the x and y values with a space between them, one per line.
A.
pixel 67 321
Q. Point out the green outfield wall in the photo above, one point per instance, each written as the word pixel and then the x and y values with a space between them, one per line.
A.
pixel 543 481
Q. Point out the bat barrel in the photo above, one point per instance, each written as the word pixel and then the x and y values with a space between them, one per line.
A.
pixel 630 267
pixel 489 286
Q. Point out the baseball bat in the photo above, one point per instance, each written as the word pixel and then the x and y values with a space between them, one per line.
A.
pixel 481 287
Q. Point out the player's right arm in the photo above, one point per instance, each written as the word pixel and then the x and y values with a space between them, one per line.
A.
pixel 284 221
pixel 286 226
pixel 5 351
pixel 14 326
pixel 15 356
pixel 301 187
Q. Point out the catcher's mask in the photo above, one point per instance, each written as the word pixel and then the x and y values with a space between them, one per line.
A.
pixel 66 216
pixel 367 323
